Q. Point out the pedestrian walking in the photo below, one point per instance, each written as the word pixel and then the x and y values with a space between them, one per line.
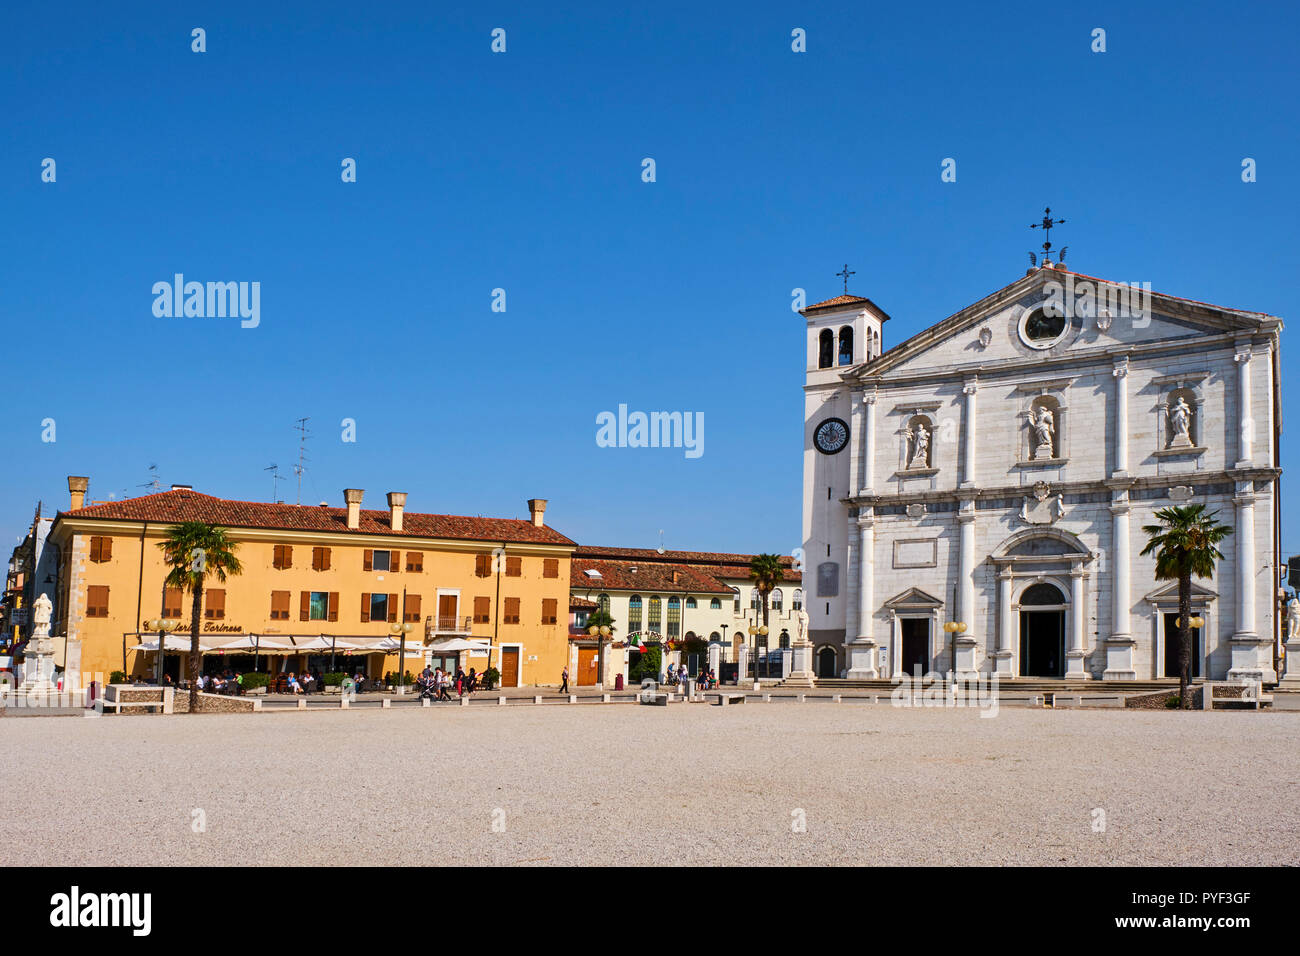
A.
pixel 564 680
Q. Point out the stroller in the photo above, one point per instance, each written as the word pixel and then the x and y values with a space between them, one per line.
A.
pixel 427 690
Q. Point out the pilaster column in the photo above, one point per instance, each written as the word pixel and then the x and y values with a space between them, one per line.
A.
pixel 1120 643
pixel 1246 422
pixel 1252 657
pixel 1074 655
pixel 969 389
pixel 866 480
pixel 964 644
pixel 862 650
pixel 1002 657
pixel 1121 417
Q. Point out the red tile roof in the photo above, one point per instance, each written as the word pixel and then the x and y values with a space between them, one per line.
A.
pixel 641 576
pixel 187 505
pixel 715 565
pixel 843 301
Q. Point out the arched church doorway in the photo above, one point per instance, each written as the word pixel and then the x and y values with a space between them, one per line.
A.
pixel 1042 631
pixel 827 663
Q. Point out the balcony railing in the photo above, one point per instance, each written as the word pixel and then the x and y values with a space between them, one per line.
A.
pixel 450 624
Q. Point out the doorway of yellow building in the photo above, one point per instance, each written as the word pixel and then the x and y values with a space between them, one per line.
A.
pixel 588 666
pixel 510 667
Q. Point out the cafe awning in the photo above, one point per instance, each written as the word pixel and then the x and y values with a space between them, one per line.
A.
pixel 392 646
pixel 456 644
pixel 262 643
pixel 173 643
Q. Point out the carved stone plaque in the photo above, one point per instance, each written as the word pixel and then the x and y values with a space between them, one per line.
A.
pixel 828 579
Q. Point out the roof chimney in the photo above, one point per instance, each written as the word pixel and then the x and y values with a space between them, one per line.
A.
pixel 77 487
pixel 397 506
pixel 182 487
pixel 353 498
pixel 536 510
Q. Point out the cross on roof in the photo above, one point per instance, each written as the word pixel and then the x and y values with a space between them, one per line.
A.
pixel 846 273
pixel 1046 225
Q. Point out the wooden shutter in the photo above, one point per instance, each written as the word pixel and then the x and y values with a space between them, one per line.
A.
pixel 304 606
pixel 172 602
pixel 481 564
pixel 326 554
pixel 215 601
pixel 368 562
pixel 415 560
pixel 394 561
pixel 365 605
pixel 514 567
pixel 288 555
pixel 551 568
pixel 549 610
pixel 512 611
pixel 97 600
pixel 412 609
pixel 392 609
pixel 334 605
pixel 94 547
pixel 482 610
pixel 101 548
pixel 279 605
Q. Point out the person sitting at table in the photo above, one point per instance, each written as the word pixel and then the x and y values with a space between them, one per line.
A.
pixel 294 687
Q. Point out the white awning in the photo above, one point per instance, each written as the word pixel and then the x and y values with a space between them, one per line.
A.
pixel 263 643
pixel 456 644
pixel 324 643
pixel 174 642
pixel 391 645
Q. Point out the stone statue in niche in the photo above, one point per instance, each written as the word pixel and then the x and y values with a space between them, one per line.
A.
pixel 1044 426
pixel 1292 620
pixel 920 447
pixel 1180 421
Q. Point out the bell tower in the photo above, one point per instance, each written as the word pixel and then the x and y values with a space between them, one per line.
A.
pixel 841 333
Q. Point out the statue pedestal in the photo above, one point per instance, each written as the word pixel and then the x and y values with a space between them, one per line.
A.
pixel 861 659
pixel 1291 676
pixel 1119 658
pixel 801 674
pixel 965 666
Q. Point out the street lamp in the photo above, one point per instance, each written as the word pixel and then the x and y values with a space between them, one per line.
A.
pixel 160 625
pixel 401 630
pixel 600 632
pixel 954 628
pixel 756 631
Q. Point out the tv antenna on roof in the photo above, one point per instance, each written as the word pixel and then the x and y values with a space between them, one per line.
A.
pixel 153 482
pixel 275 477
pixel 299 468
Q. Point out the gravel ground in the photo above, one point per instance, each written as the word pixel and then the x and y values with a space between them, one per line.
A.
pixel 617 784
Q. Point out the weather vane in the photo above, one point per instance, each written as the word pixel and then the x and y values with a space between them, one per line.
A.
pixel 1046 225
pixel 846 273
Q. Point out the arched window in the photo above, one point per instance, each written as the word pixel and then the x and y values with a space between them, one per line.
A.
pixel 690 602
pixel 715 604
pixel 798 599
pixel 776 599
pixel 1037 595
pixel 674 616
pixel 754 602
pixel 634 613
pixel 785 639
pixel 736 601
pixel 656 613
pixel 846 345
pixel 715 637
pixel 826 349
pixel 603 601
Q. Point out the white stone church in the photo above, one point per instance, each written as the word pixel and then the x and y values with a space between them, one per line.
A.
pixel 996 470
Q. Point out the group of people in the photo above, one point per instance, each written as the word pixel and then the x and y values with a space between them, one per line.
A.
pixel 437 683
pixel 707 679
pixel 304 683
pixel 228 682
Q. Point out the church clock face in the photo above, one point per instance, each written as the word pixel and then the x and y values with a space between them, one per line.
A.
pixel 831 436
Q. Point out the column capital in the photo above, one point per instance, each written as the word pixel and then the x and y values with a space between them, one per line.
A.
pixel 1121 367
pixel 971 385
pixel 869 396
pixel 1243 353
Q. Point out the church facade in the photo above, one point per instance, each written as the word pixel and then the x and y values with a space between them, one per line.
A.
pixel 993 474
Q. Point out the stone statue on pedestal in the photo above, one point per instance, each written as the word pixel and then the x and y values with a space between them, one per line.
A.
pixel 920 447
pixel 1293 620
pixel 38 669
pixel 1180 420
pixel 1044 426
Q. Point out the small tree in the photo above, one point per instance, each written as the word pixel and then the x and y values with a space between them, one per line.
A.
pixel 1184 543
pixel 192 551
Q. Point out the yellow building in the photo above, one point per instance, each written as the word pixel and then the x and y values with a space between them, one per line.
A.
pixel 311 570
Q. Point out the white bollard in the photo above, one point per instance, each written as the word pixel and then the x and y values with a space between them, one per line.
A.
pixel 302 705
pixel 386 703
pixel 767 698
pixel 501 701
pixel 838 698
pixel 537 699
pixel 605 698
pixel 464 702
pixel 573 698
pixel 343 702
pixel 425 702
pixel 803 698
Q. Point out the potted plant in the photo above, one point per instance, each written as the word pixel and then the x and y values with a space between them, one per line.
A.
pixel 490 678
pixel 333 683
pixel 255 683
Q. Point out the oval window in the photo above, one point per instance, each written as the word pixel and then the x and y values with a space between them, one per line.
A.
pixel 1041 328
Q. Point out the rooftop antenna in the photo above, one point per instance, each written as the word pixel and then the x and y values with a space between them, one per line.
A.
pixel 152 483
pixel 275 477
pixel 299 468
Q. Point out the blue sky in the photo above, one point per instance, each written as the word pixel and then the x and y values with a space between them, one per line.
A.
pixel 522 171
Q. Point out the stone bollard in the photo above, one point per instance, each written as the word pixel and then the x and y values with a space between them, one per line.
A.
pixel 537 699
pixel 803 698
pixel 464 702
pixel 302 704
pixel 343 702
pixel 605 698
pixel 767 698
pixel 837 699
pixel 425 702
pixel 257 704
pixel 386 703
pixel 501 701
pixel 573 698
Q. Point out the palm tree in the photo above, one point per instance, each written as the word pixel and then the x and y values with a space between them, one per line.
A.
pixel 192 551
pixel 1185 544
pixel 767 572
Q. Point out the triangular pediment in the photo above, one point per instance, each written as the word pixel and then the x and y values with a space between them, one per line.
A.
pixel 1168 593
pixel 991 331
pixel 914 598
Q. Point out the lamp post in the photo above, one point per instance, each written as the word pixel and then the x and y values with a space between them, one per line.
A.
pixel 401 630
pixel 954 628
pixel 756 631
pixel 160 625
pixel 600 633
